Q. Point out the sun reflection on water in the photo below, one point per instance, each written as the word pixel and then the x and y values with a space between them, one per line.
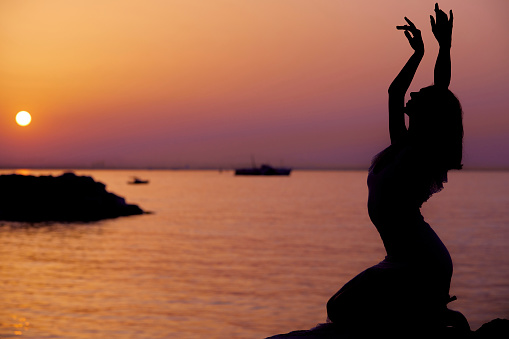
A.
pixel 17 325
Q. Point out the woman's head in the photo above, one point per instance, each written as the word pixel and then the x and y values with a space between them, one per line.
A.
pixel 436 125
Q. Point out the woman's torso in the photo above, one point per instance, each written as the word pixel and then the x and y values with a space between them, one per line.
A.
pixel 397 188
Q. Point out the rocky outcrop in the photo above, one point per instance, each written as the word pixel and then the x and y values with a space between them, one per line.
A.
pixel 64 198
pixel 495 329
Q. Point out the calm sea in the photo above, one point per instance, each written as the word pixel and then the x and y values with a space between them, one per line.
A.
pixel 234 257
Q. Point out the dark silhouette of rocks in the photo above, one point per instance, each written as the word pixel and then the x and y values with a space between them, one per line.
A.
pixel 495 329
pixel 64 198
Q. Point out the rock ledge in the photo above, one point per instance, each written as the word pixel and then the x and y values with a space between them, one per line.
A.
pixel 495 329
pixel 64 198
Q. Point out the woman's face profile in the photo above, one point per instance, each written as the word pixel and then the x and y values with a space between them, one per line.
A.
pixel 410 106
pixel 417 102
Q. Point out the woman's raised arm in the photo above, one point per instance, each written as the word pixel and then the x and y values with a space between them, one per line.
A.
pixel 442 30
pixel 401 83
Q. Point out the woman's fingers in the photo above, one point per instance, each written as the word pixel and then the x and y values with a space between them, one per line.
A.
pixel 441 19
pixel 410 23
pixel 440 14
pixel 408 36
pixel 414 34
pixel 433 23
pixel 410 27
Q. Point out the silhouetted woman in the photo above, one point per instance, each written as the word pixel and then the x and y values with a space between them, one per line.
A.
pixel 410 288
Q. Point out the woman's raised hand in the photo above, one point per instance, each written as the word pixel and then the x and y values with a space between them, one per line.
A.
pixel 442 27
pixel 414 38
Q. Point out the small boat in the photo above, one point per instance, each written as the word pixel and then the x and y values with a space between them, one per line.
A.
pixel 137 181
pixel 263 170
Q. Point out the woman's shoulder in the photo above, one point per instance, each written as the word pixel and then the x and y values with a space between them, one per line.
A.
pixel 414 156
pixel 394 154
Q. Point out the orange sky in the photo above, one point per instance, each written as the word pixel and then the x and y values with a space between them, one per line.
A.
pixel 209 83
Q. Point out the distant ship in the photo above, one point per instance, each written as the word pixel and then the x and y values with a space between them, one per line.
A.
pixel 263 170
pixel 137 181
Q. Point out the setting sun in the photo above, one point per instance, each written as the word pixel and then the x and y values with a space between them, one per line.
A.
pixel 23 118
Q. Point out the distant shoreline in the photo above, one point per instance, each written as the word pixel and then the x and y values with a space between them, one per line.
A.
pixel 297 169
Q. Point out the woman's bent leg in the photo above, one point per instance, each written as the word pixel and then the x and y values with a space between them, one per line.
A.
pixel 379 296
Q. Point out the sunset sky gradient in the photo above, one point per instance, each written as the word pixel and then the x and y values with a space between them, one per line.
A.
pixel 210 83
